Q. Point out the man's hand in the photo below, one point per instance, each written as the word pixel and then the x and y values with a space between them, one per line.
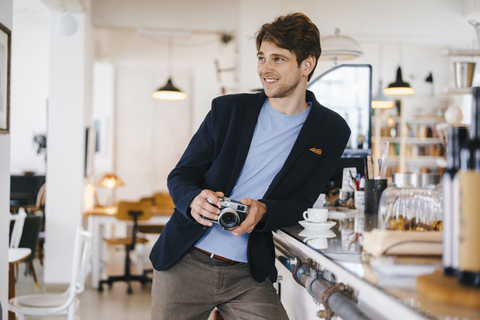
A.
pixel 256 212
pixel 201 207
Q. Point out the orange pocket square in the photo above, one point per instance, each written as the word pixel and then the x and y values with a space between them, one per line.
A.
pixel 315 150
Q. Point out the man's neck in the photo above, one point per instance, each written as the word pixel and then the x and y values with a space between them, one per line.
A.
pixel 291 105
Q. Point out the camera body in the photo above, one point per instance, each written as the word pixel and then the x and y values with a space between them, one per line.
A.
pixel 232 213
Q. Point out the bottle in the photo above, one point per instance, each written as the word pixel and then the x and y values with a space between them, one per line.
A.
pixel 457 136
pixel 469 235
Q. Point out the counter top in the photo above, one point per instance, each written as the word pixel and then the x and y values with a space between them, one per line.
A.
pixel 390 278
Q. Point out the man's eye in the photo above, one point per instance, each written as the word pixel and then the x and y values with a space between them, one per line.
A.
pixel 261 59
pixel 278 59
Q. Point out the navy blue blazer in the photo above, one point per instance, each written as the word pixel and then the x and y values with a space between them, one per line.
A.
pixel 214 158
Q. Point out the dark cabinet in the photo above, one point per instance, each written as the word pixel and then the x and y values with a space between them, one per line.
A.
pixel 24 189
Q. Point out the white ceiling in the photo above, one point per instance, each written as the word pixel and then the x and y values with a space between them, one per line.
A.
pixel 441 22
pixel 201 16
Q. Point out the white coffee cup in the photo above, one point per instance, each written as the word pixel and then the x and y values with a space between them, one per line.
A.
pixel 316 215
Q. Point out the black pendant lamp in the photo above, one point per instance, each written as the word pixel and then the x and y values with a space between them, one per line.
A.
pixel 169 91
pixel 399 87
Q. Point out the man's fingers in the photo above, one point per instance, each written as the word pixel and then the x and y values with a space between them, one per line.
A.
pixel 254 215
pixel 199 214
pixel 211 198
pixel 203 208
pixel 202 221
pixel 205 205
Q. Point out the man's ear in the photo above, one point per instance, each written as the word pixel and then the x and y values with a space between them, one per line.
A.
pixel 307 65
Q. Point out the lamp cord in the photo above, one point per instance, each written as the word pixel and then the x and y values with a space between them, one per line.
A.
pixel 380 56
pixel 169 56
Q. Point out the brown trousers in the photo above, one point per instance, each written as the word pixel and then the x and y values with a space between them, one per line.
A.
pixel 196 284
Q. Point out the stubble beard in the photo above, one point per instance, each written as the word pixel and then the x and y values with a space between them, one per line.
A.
pixel 284 90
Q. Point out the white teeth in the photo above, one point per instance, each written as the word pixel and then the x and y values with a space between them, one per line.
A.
pixel 270 80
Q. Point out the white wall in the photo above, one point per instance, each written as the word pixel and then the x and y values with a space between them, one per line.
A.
pixel 70 104
pixel 6 9
pixel 151 135
pixel 104 122
pixel 30 49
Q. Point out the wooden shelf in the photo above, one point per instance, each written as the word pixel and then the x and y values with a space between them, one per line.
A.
pixel 389 139
pixel 423 161
pixel 411 140
pixel 423 141
pixel 413 148
pixel 456 91
pixel 417 161
pixel 463 53
pixel 424 120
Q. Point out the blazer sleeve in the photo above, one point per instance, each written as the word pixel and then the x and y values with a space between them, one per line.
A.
pixel 185 180
pixel 283 211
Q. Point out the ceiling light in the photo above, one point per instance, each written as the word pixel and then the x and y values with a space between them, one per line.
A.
pixel 381 100
pixel 399 87
pixel 338 47
pixel 169 91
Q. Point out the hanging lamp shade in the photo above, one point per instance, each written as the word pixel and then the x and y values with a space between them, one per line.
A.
pixel 381 100
pixel 169 92
pixel 339 47
pixel 399 87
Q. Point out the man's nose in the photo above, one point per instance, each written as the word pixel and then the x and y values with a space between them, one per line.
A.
pixel 267 67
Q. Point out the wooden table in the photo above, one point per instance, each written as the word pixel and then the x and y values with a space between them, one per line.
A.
pixel 14 256
pixel 98 218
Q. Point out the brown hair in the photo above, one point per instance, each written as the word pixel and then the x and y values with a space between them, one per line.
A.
pixel 294 32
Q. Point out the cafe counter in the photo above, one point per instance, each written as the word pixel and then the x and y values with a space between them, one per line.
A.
pixel 327 262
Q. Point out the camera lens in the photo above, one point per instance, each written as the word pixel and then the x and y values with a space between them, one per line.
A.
pixel 228 219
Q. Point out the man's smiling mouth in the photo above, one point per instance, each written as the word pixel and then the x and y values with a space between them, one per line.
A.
pixel 270 80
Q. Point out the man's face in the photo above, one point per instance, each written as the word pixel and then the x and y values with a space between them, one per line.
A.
pixel 278 70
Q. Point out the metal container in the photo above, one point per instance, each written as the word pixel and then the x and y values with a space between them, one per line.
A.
pixel 464 72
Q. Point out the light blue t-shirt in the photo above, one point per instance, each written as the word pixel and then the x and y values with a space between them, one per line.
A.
pixel 273 139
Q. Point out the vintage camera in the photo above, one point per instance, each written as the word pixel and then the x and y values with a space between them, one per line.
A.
pixel 232 213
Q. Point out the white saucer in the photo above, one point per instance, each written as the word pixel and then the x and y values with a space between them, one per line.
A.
pixel 309 233
pixel 316 225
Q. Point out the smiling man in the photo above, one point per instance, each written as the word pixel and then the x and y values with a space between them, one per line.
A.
pixel 274 151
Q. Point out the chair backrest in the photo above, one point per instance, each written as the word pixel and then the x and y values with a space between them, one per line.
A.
pixel 41 197
pixel 163 200
pixel 18 222
pixel 81 258
pixel 126 209
pixel 30 234
pixel 80 269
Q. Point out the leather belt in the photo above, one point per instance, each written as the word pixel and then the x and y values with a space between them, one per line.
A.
pixel 214 256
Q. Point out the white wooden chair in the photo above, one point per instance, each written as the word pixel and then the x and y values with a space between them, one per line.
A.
pixel 18 222
pixel 45 304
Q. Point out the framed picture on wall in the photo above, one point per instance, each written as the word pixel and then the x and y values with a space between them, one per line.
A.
pixel 5 45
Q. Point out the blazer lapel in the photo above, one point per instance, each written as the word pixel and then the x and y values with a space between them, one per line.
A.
pixel 304 137
pixel 251 118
